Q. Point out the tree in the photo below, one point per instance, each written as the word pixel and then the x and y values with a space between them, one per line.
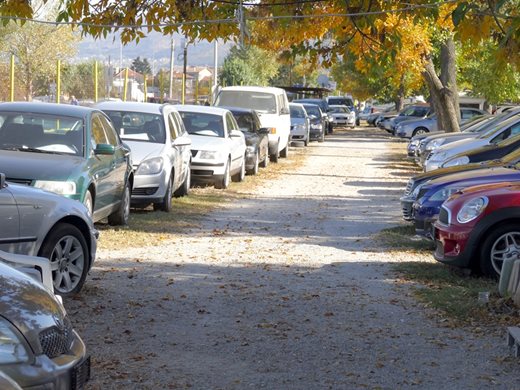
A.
pixel 78 80
pixel 248 66
pixel 141 66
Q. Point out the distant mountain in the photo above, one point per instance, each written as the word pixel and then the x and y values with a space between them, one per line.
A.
pixel 154 47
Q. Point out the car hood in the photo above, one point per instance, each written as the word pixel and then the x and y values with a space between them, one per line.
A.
pixel 27 304
pixel 400 119
pixel 458 145
pixel 144 150
pixel 478 176
pixel 251 138
pixel 416 122
pixel 40 166
pixel 201 142
pixel 449 136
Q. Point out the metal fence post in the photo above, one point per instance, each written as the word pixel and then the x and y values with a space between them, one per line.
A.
pixel 58 81
pixel 126 85
pixel 11 93
pixel 95 81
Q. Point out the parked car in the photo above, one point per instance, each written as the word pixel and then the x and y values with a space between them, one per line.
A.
pixel 487 125
pixel 317 122
pixel 39 347
pixel 161 150
pixel 478 227
pixel 40 223
pixel 218 147
pixel 366 113
pixel 412 127
pixel 256 136
pixel 434 192
pixel 300 123
pixel 340 101
pixel 324 107
pixel 71 150
pixel 342 116
pixel 416 111
pixel 272 106
pixel 504 130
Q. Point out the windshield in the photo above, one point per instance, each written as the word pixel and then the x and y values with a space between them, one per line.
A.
pixel 477 122
pixel 321 103
pixel 343 101
pixel 339 110
pixel 493 128
pixel 245 121
pixel 313 110
pixel 297 112
pixel 197 123
pixel 415 111
pixel 259 101
pixel 43 133
pixel 138 126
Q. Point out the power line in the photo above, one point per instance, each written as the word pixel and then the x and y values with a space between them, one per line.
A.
pixel 268 4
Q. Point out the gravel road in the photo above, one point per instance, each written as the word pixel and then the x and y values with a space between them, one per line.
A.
pixel 285 289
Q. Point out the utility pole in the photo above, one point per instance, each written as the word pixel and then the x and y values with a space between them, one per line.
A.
pixel 185 65
pixel 215 72
pixel 242 23
pixel 172 51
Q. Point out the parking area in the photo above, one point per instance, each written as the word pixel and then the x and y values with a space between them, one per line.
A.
pixel 282 286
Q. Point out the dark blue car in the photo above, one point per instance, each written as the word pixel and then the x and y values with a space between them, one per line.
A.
pixel 432 194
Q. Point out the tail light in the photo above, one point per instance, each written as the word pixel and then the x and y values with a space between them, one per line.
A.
pixel 272 130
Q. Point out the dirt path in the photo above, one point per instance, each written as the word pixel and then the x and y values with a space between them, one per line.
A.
pixel 283 290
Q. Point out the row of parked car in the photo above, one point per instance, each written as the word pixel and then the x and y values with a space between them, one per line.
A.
pixel 65 167
pixel 468 198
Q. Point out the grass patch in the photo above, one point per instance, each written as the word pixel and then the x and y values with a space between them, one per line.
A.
pixel 403 237
pixel 148 228
pixel 456 295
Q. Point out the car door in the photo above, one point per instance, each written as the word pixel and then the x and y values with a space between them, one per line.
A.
pixel 9 219
pixel 181 146
pixel 237 143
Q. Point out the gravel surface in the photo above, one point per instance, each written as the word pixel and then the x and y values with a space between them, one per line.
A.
pixel 285 289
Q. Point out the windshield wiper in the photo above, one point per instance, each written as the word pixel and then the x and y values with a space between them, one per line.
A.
pixel 24 148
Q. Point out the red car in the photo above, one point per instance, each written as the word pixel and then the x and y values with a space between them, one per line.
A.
pixel 479 227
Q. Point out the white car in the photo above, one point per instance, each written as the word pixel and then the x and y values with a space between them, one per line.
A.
pixel 342 116
pixel 272 107
pixel 218 146
pixel 443 154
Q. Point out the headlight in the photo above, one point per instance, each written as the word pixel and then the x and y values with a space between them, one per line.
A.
pixel 432 145
pixel 472 209
pixel 150 167
pixel 316 126
pixel 58 187
pixel 299 127
pixel 456 161
pixel 12 348
pixel 444 193
pixel 414 142
pixel 209 155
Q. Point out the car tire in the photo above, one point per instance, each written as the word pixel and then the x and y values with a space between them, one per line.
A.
pixel 121 215
pixel 265 162
pixel 184 189
pixel 285 151
pixel 322 138
pixel 256 164
pixel 490 264
pixel 166 203
pixel 420 130
pixel 88 201
pixel 223 183
pixel 306 142
pixel 69 267
pixel 240 176
pixel 276 155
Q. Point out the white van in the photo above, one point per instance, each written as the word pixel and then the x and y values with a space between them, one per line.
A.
pixel 272 107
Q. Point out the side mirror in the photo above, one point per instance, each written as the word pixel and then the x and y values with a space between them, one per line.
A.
pixel 105 149
pixel 235 134
pixel 2 181
pixel 264 130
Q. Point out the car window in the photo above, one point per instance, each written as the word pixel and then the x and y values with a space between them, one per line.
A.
pixel 231 124
pixel 339 110
pixel 138 126
pixel 197 123
pixel 173 127
pixel 245 121
pixel 313 110
pixel 260 101
pixel 181 130
pixel 257 123
pixel 297 112
pixel 109 131
pixel 98 133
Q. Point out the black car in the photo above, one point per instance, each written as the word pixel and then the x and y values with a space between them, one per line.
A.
pixel 318 125
pixel 324 107
pixel 257 140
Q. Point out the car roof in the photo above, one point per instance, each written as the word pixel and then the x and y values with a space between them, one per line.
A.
pixel 202 109
pixel 254 89
pixel 238 110
pixel 148 108
pixel 337 105
pixel 296 105
pixel 48 108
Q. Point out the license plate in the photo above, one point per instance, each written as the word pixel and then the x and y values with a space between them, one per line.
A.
pixel 80 374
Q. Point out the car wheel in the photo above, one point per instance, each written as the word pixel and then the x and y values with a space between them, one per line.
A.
pixel 68 253
pixel 254 171
pixel 358 122
pixel 166 203
pixel 420 130
pixel 121 215
pixel 265 161
pixel 239 177
pixel 285 151
pixel 276 155
pixel 502 243
pixel 88 201
pixel 184 189
pixel 306 142
pixel 223 183
pixel 322 138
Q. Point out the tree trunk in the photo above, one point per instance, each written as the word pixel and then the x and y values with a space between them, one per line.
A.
pixel 399 100
pixel 443 88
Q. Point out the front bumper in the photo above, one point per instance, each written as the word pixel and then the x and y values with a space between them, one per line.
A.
pixel 315 133
pixel 407 208
pixel 68 371
pixel 450 245
pixel 149 188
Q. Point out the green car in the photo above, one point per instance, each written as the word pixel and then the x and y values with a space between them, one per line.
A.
pixel 70 150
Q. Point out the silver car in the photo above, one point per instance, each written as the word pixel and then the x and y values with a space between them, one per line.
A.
pixel 161 150
pixel 39 349
pixel 300 123
pixel 40 223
